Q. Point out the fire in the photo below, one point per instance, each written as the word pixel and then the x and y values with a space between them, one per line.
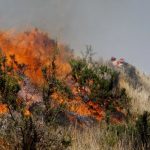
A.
pixel 27 113
pixel 78 106
pixel 3 109
pixel 34 49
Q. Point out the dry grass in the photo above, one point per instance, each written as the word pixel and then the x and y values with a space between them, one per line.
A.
pixel 140 97
pixel 4 145
pixel 100 138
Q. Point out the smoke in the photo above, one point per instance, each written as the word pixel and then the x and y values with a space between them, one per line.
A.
pixel 53 16
pixel 114 28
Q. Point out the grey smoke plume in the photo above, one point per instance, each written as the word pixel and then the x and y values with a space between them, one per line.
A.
pixel 51 15
pixel 117 28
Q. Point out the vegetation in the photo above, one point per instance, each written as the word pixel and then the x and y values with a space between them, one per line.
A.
pixel 37 126
pixel 102 82
pixel 22 121
pixel 52 85
pixel 22 124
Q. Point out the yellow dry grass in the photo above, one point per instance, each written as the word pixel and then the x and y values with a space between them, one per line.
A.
pixel 99 138
pixel 140 97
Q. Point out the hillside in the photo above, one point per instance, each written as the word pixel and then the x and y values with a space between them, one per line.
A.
pixel 137 85
pixel 51 99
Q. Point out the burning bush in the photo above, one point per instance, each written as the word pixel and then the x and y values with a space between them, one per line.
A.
pixel 34 49
pixel 21 122
pixel 99 84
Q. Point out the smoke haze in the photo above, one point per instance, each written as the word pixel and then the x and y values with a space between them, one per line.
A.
pixel 114 28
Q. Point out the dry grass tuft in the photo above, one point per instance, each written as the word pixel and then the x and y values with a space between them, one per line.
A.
pixel 140 96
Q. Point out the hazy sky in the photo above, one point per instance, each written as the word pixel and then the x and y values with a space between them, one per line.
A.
pixel 118 28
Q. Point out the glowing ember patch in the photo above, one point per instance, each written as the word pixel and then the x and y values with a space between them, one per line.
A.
pixel 3 109
pixel 27 113
pixel 79 107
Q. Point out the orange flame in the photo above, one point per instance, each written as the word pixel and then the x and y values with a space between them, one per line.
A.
pixel 26 113
pixel 76 105
pixel 3 109
pixel 34 48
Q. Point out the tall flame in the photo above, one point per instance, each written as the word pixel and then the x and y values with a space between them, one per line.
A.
pixel 34 48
